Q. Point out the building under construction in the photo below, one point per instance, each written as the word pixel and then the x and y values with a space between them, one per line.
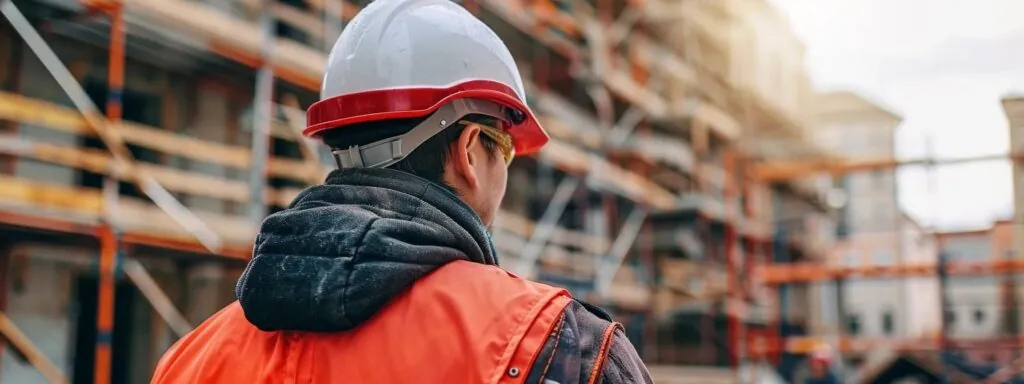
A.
pixel 144 140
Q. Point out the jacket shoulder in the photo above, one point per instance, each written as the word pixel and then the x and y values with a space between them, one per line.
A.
pixel 586 346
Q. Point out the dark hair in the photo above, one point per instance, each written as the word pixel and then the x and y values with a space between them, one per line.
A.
pixel 427 160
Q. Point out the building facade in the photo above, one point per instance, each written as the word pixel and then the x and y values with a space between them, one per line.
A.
pixel 1013 107
pixel 979 307
pixel 872 229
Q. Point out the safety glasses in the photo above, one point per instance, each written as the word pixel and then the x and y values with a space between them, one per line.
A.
pixel 500 136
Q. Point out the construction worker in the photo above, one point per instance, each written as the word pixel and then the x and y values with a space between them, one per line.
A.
pixel 819 365
pixel 386 272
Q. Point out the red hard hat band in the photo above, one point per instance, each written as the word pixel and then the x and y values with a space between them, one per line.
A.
pixel 340 111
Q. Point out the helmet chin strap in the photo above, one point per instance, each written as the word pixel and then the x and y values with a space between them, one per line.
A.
pixel 384 153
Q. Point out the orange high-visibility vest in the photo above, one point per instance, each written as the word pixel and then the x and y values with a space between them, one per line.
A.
pixel 463 323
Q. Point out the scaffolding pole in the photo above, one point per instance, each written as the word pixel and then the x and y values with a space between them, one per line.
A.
pixel 124 162
pixel 263 109
pixel 610 264
pixel 109 242
pixel 546 226
pixel 735 312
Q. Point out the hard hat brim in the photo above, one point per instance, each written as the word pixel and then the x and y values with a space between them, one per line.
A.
pixel 414 102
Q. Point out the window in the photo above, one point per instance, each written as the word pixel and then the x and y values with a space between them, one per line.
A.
pixel 887 322
pixel 979 316
pixel 853 324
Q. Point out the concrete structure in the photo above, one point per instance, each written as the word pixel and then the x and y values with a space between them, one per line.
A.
pixel 872 228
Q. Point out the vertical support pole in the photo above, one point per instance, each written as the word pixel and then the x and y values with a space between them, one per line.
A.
pixel 771 327
pixel 546 226
pixel 733 255
pixel 778 294
pixel 943 260
pixel 840 324
pixel 944 308
pixel 262 110
pixel 108 233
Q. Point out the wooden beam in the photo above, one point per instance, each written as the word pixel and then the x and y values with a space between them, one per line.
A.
pixel 100 162
pixel 29 111
pixel 234 38
pixel 198 18
pixel 25 110
pixel 137 218
pixel 145 224
pixel 636 187
pixel 24 346
pixel 789 170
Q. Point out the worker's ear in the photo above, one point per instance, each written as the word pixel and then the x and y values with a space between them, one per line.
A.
pixel 465 158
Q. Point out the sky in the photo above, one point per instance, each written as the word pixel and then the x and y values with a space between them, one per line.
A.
pixel 941 64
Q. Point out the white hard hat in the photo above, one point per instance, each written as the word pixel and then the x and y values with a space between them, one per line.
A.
pixel 416 58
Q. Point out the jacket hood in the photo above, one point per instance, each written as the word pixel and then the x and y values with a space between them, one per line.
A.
pixel 344 249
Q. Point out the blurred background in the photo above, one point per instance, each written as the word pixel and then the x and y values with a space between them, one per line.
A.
pixel 769 191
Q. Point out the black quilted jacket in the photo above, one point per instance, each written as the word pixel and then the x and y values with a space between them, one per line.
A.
pixel 342 250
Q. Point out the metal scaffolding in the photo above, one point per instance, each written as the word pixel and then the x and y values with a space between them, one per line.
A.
pixel 629 84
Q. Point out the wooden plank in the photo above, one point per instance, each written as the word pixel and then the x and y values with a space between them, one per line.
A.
pixel 144 223
pixel 202 185
pixel 622 84
pixel 84 205
pixel 24 346
pixel 223 31
pixel 97 161
pixel 720 122
pixel 307 62
pixel 33 194
pixel 523 227
pixel 29 111
pixel 630 184
pixel 25 110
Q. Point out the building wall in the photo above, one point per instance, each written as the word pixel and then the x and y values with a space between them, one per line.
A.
pixel 855 128
pixel 875 231
pixel 1014 109
pixel 866 303
pixel 910 304
pixel 920 294
pixel 976 303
